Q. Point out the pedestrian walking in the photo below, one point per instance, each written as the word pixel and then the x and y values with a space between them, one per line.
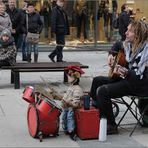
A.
pixel 60 26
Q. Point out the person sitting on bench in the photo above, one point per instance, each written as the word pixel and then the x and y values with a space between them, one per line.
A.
pixel 130 79
pixel 7 49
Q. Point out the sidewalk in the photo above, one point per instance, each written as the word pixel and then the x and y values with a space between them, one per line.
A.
pixel 13 109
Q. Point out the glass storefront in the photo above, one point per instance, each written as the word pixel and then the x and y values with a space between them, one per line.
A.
pixel 90 20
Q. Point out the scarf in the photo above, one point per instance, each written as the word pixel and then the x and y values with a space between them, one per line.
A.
pixel 142 54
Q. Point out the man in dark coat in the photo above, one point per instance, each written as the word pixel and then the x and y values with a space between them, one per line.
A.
pixel 124 19
pixel 16 19
pixel 60 26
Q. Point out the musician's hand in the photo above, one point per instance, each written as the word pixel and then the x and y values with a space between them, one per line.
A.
pixel 110 60
pixel 122 71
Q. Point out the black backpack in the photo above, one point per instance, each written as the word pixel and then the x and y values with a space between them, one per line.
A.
pixel 143 104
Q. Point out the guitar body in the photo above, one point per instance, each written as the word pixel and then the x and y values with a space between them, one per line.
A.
pixel 120 60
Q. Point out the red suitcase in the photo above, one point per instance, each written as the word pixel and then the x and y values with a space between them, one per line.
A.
pixel 87 123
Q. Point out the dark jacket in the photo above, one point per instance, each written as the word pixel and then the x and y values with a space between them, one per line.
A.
pixel 59 21
pixel 35 24
pixel 16 19
pixel 124 20
pixel 7 52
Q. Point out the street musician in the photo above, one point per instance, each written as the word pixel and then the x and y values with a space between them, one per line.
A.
pixel 132 77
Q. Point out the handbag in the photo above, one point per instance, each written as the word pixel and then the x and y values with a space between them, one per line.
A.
pixel 32 38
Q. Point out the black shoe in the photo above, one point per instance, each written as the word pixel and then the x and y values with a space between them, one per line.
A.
pixel 51 58
pixel 73 136
pixel 112 129
pixel 24 59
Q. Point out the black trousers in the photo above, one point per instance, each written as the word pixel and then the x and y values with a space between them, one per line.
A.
pixel 60 41
pixel 82 20
pixel 105 88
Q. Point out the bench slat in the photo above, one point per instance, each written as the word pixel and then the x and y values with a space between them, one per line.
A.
pixel 38 67
pixel 43 65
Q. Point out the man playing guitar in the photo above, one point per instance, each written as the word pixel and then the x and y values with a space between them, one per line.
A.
pixel 133 76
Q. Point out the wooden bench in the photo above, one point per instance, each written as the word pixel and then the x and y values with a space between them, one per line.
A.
pixel 37 67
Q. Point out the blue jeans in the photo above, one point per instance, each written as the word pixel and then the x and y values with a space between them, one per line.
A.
pixel 21 44
pixel 32 47
pixel 68 120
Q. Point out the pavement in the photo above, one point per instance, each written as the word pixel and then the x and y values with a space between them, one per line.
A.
pixel 13 109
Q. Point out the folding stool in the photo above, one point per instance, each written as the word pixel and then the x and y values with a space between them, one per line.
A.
pixel 134 111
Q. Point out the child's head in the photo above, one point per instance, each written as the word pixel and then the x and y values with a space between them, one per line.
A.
pixel 5 35
pixel 74 72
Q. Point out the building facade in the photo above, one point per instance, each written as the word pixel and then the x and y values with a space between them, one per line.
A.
pixel 90 20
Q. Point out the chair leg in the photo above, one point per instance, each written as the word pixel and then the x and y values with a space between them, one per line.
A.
pixel 145 109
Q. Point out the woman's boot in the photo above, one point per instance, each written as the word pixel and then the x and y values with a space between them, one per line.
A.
pixel 29 58
pixel 35 58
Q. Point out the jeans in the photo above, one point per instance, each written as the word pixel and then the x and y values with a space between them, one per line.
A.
pixel 68 120
pixel 22 43
pixel 60 40
pixel 32 47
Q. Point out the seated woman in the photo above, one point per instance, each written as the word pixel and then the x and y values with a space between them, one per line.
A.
pixel 133 78
pixel 7 48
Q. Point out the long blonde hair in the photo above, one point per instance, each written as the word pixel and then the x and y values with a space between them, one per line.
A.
pixel 141 34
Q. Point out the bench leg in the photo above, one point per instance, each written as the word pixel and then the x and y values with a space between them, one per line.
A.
pixel 16 80
pixel 12 77
pixel 65 77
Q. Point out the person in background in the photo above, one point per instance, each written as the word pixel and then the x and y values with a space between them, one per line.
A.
pixel 59 26
pixel 33 24
pixel 16 19
pixel 22 35
pixel 7 49
pixel 46 14
pixel 81 10
pixel 131 79
pixel 123 20
pixel 5 21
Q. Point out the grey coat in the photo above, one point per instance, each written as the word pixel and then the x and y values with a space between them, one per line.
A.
pixel 5 22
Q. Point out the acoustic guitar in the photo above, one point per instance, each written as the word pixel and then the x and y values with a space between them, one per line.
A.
pixel 120 60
